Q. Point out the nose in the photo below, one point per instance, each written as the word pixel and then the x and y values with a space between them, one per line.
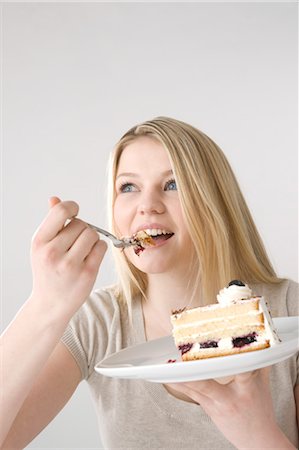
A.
pixel 150 203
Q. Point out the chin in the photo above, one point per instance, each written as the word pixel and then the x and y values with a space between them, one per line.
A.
pixel 159 265
pixel 154 270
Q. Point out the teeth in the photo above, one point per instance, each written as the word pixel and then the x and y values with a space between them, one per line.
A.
pixel 156 231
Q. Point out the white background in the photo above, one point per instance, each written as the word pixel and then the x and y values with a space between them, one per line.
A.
pixel 76 76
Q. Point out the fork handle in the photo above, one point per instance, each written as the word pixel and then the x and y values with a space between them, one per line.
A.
pixel 100 230
pixel 118 243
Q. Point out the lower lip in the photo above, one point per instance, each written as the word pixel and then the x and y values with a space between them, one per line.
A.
pixel 158 243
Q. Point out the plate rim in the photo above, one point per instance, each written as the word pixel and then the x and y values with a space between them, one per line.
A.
pixel 133 371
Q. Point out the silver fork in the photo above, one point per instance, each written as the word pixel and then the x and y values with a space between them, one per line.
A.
pixel 118 243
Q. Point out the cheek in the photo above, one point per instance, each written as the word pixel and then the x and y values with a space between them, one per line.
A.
pixel 184 233
pixel 121 215
pixel 177 213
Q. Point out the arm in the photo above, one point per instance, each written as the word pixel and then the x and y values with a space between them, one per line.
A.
pixel 65 262
pixel 52 389
pixel 241 409
pixel 296 392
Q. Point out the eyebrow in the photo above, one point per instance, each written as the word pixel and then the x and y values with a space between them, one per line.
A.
pixel 136 175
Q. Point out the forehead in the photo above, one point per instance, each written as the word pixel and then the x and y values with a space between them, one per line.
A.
pixel 144 152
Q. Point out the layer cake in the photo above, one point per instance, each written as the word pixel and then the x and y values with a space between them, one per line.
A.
pixel 240 322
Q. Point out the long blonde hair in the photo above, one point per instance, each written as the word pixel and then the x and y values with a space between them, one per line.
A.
pixel 226 241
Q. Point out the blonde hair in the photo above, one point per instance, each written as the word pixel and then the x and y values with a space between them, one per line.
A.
pixel 226 241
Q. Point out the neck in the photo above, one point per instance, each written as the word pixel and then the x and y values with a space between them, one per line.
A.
pixel 166 293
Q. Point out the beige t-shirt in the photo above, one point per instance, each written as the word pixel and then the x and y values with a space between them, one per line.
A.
pixel 140 414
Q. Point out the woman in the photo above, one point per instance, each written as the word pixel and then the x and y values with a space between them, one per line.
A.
pixel 168 177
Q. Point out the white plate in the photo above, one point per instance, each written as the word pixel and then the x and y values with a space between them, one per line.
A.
pixel 148 361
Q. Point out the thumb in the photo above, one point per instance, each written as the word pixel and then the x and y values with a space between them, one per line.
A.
pixel 53 201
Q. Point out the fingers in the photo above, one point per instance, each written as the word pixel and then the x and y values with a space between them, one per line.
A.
pixel 207 388
pixel 96 255
pixel 248 376
pixel 189 391
pixel 219 388
pixel 84 242
pixel 224 380
pixel 53 201
pixel 57 216
pixel 245 377
pixel 85 256
pixel 74 240
pixel 70 233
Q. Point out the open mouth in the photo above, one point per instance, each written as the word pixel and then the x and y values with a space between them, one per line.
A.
pixel 148 238
pixel 159 234
pixel 162 237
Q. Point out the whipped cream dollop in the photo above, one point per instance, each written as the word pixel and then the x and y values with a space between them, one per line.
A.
pixel 234 292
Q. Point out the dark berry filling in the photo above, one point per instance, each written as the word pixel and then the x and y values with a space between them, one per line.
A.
pixel 244 340
pixel 184 348
pixel 178 311
pixel 236 283
pixel 209 344
pixel 138 249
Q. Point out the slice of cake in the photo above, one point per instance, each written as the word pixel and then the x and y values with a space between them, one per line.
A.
pixel 140 241
pixel 239 323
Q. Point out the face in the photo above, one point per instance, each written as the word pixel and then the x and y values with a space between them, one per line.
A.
pixel 147 199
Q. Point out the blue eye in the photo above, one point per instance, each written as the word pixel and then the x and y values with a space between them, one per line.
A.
pixel 170 186
pixel 127 187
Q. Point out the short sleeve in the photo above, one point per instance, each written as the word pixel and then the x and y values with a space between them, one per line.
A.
pixel 293 298
pixel 92 330
pixel 71 340
pixel 293 310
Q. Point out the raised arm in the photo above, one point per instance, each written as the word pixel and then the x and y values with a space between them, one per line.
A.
pixel 65 262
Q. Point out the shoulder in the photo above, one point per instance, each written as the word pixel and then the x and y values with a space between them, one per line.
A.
pixel 98 328
pixel 102 308
pixel 291 290
pixel 104 300
pixel 282 297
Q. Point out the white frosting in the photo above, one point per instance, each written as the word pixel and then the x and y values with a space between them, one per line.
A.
pixel 270 332
pixel 268 322
pixel 232 328
pixel 199 323
pixel 225 343
pixel 233 293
